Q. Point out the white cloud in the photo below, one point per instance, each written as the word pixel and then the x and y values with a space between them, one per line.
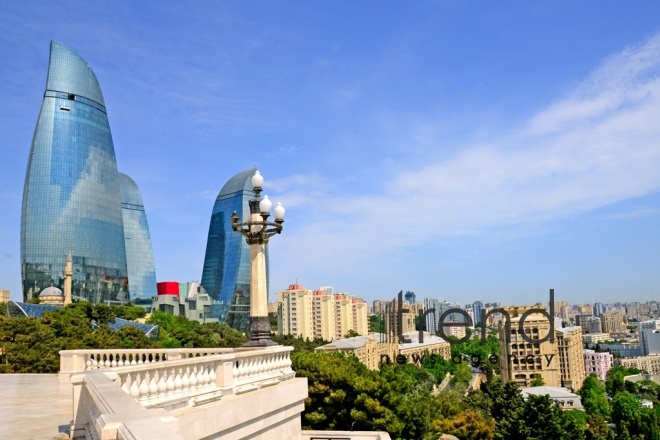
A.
pixel 598 146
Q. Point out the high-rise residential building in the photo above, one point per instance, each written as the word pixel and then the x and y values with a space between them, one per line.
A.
pixel 433 318
pixel 515 356
pixel 612 322
pixel 593 325
pixel 562 310
pixel 571 357
pixel 649 337
pixel 139 252
pixel 4 296
pixel 378 307
pixel 586 309
pixel 477 308
pixel 226 274
pixel 410 297
pixel 71 197
pixel 313 314
pixel 598 363
pixel 599 308
pixel 581 319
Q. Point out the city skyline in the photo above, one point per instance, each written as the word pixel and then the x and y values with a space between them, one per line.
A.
pixel 524 135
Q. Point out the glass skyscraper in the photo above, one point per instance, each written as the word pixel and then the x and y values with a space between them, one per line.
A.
pixel 226 274
pixel 139 252
pixel 71 198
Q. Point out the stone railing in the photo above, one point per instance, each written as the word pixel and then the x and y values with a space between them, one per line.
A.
pixel 164 379
pixel 72 361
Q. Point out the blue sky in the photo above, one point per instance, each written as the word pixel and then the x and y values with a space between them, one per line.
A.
pixel 463 150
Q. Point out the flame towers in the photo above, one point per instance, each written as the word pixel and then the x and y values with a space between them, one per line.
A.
pixel 72 199
pixel 226 275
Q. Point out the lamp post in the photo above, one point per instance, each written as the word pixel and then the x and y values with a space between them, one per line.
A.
pixel 257 231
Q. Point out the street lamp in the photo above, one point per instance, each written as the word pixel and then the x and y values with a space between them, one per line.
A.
pixel 257 231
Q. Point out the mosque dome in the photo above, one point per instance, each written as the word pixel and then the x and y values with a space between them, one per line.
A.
pixel 51 291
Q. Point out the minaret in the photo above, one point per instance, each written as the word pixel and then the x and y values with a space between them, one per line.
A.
pixel 68 273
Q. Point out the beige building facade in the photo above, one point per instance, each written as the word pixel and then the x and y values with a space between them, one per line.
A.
pixel 571 357
pixel 522 361
pixel 612 322
pixel 314 314
pixel 650 364
pixel 376 348
pixel 4 296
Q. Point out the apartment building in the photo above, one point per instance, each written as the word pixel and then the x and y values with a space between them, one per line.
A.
pixel 612 322
pixel 571 357
pixel 313 314
pixel 522 361
pixel 649 337
pixel 598 363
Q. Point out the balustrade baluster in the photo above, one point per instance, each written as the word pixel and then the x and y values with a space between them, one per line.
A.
pixel 124 379
pixel 153 384
pixel 193 378
pixel 162 385
pixel 178 384
pixel 212 375
pixel 185 381
pixel 134 390
pixel 144 386
pixel 170 382
pixel 205 375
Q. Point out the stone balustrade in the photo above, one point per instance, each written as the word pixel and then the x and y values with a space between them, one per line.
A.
pixel 155 376
pixel 72 361
pixel 170 379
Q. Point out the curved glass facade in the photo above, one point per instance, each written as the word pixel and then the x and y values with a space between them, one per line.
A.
pixel 71 197
pixel 226 274
pixel 139 252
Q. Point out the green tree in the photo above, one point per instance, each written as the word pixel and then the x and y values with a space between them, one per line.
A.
pixel 345 395
pixel 626 413
pixel 376 324
pixel 594 399
pixel 272 320
pixel 298 343
pixel 538 381
pixel 351 334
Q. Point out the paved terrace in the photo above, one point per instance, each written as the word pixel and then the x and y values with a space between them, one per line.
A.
pixel 35 406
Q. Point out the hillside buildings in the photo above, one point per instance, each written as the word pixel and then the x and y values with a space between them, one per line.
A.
pixel 314 314
pixel 72 198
